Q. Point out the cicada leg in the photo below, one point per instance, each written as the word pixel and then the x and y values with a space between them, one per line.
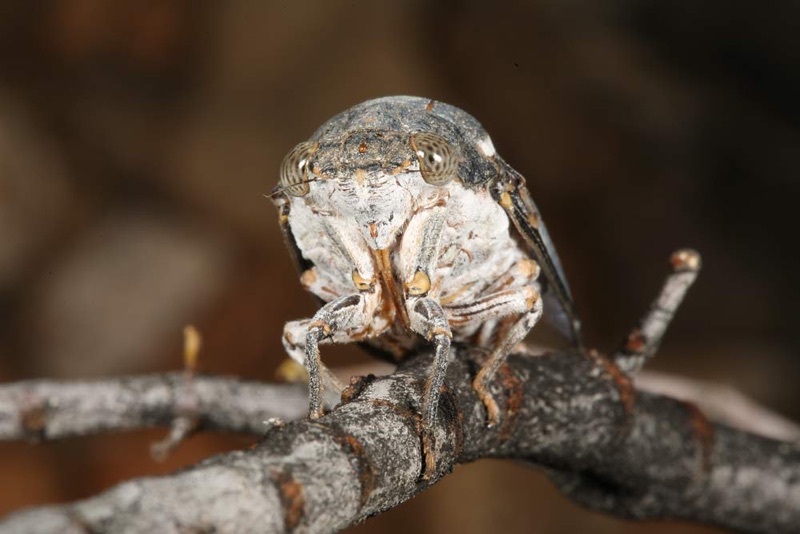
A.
pixel 428 319
pixel 499 354
pixel 520 301
pixel 334 322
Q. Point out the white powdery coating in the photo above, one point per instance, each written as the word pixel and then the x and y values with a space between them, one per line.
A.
pixel 476 243
pixel 486 147
pixel 475 248
pixel 458 236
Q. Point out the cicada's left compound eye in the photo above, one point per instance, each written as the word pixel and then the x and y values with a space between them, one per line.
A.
pixel 437 159
pixel 294 170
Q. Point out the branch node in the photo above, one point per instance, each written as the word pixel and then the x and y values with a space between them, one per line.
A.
pixel 33 419
pixel 515 396
pixel 621 381
pixel 703 433
pixel 290 492
pixel 357 385
pixel 187 419
pixel 359 460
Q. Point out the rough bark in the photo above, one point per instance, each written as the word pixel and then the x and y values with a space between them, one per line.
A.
pixel 47 409
pixel 574 414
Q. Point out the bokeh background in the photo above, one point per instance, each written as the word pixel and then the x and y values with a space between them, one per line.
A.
pixel 137 138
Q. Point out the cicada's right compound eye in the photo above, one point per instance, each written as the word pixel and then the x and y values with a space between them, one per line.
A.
pixel 438 162
pixel 294 169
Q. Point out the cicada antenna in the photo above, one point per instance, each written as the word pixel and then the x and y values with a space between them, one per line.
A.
pixel 277 190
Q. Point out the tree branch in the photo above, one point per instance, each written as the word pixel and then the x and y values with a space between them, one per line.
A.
pixel 607 446
pixel 46 410
pixel 573 413
pixel 722 403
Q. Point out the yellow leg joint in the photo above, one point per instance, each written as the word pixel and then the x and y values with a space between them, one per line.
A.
pixel 419 285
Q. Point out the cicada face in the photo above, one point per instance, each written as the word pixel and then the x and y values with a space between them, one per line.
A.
pixel 367 177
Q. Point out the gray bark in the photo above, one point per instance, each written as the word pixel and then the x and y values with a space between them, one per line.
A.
pixel 574 414
pixel 46 409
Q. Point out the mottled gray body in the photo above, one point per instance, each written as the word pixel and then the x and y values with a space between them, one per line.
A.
pixel 398 212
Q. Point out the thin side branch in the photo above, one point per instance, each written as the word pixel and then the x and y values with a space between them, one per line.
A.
pixel 644 340
pixel 45 410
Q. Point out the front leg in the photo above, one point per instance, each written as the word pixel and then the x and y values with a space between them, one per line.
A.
pixel 428 319
pixel 419 251
pixel 338 321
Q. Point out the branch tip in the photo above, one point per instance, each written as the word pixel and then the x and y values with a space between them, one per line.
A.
pixel 686 259
pixel 192 343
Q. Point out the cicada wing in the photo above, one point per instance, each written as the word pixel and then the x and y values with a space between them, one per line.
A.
pixel 510 191
pixel 283 204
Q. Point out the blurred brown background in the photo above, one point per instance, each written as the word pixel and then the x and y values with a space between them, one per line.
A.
pixel 138 136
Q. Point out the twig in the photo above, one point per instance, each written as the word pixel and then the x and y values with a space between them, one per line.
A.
pixel 644 340
pixel 45 410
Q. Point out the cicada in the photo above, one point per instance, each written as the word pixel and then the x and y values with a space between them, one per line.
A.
pixel 410 229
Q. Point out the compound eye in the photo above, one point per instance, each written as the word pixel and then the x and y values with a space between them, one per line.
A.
pixel 437 160
pixel 294 175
